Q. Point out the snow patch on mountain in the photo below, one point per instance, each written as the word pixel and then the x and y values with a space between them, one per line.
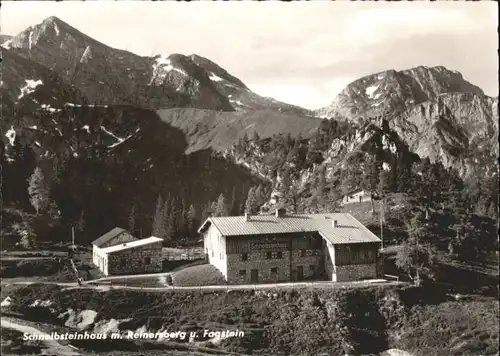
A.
pixel 231 85
pixel 48 108
pixel 162 66
pixel 88 106
pixel 29 87
pixel 166 64
pixel 86 128
pixel 30 40
pixel 371 90
pixel 11 135
pixel 38 144
pixel 215 78
pixel 86 56
pixel 7 44
pixel 111 134
pixel 119 140
pixel 56 29
pixel 237 102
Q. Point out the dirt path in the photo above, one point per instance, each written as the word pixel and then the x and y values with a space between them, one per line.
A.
pixel 53 347
pixel 131 276
pixel 320 285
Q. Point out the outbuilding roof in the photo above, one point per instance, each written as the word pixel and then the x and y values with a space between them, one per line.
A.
pixel 132 244
pixel 108 236
pixel 347 230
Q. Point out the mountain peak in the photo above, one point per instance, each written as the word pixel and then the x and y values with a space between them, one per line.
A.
pixel 393 90
pixel 51 31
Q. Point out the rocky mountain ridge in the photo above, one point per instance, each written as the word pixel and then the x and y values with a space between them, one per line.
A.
pixel 435 110
pixel 394 91
pixel 111 76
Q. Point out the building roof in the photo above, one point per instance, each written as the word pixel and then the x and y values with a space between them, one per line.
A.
pixel 108 236
pixel 132 244
pixel 348 230
pixel 357 190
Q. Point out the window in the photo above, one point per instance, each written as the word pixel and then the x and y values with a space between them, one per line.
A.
pixel 274 270
pixel 243 272
pixel 221 256
pixel 244 256
pixel 302 253
pixel 213 254
pixel 279 255
pixel 147 260
pixel 269 255
pixel 312 268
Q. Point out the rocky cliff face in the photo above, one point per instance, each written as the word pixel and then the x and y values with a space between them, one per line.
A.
pixel 458 129
pixel 393 92
pixel 435 110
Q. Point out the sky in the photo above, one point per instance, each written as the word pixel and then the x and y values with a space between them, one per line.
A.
pixel 303 53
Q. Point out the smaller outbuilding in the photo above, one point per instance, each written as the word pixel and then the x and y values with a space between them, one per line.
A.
pixel 357 196
pixel 118 252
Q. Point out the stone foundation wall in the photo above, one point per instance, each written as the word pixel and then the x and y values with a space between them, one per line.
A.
pixel 348 273
pixel 133 260
pixel 307 262
pixel 257 260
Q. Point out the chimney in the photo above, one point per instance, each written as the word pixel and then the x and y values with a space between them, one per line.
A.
pixel 281 212
pixel 335 223
pixel 247 217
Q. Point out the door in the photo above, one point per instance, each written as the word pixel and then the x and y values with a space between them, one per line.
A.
pixel 254 276
pixel 300 273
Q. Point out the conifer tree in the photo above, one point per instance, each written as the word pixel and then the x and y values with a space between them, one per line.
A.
pixel 235 205
pixel 38 191
pixel 371 178
pixel 285 181
pixel 319 189
pixel 158 220
pixel 220 206
pixel 172 213
pixel 192 221
pixel 260 195
pixel 131 218
pixel 251 204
